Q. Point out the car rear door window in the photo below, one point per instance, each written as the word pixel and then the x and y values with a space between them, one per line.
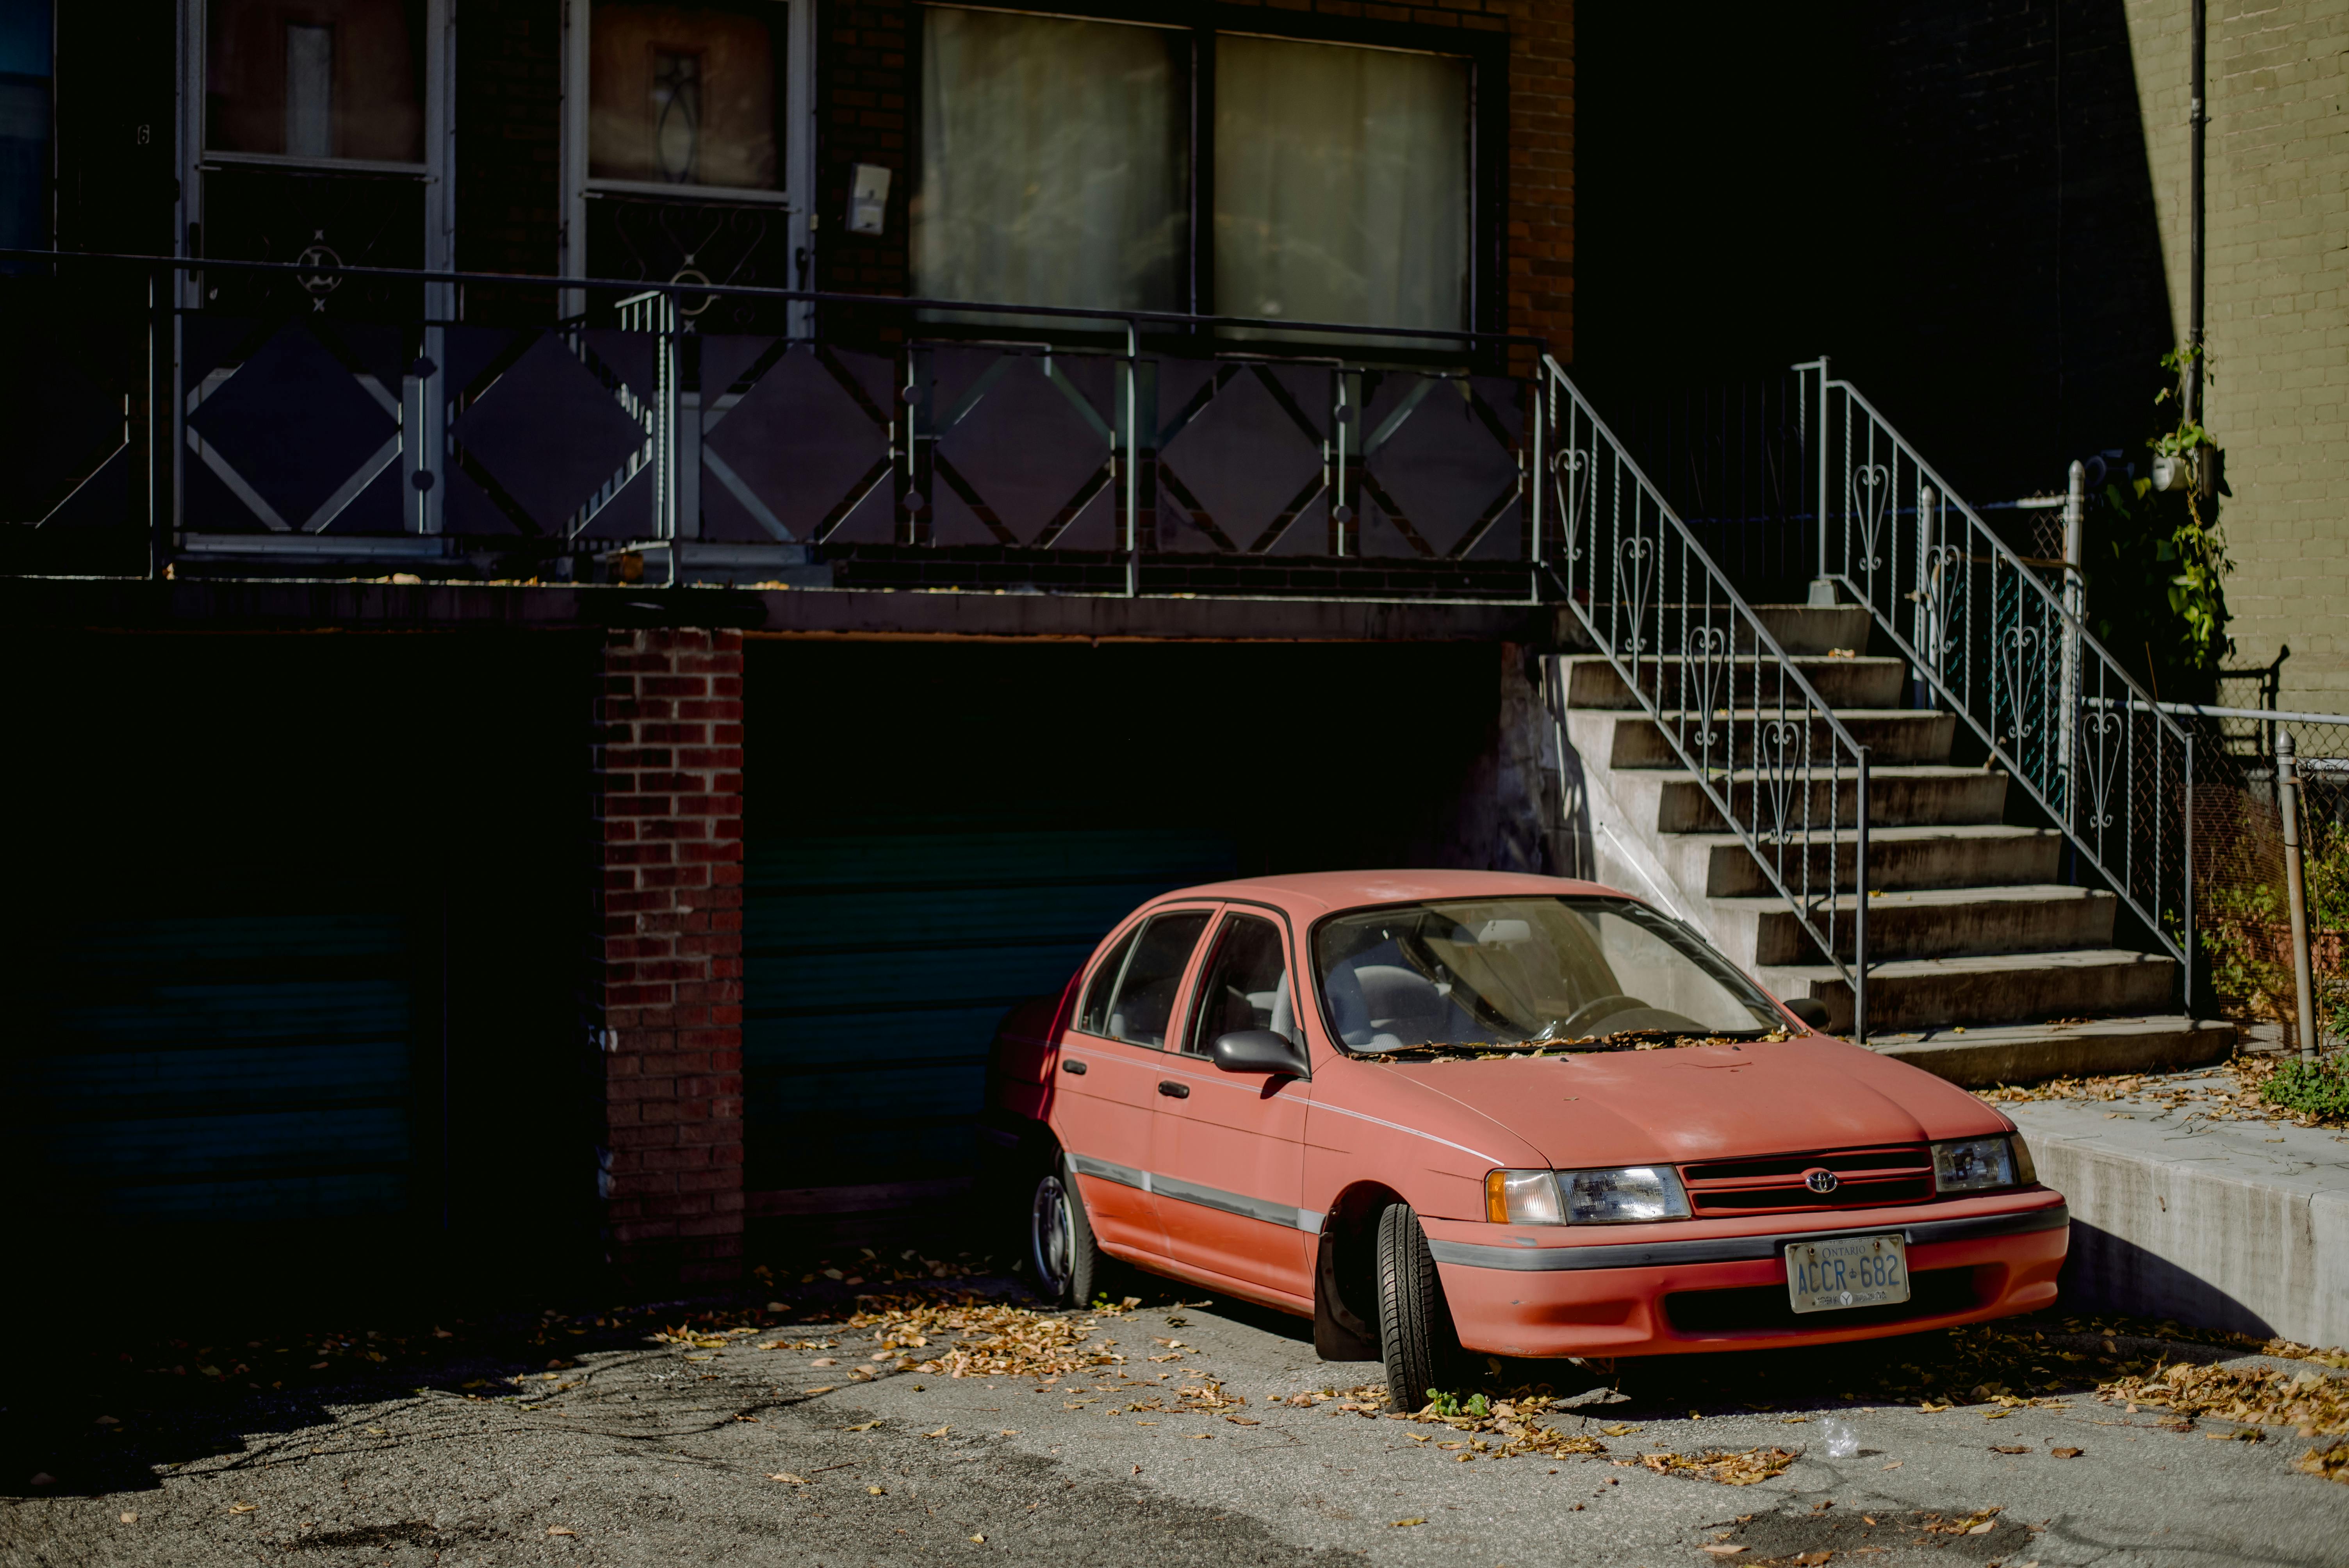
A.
pixel 1245 985
pixel 1140 1001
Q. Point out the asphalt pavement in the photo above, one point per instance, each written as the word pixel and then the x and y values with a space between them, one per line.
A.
pixel 641 1452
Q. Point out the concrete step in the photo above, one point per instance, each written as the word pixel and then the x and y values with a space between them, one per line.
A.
pixel 1808 629
pixel 1924 923
pixel 1897 797
pixel 1591 681
pixel 1912 993
pixel 1894 736
pixel 2025 1053
pixel 1719 865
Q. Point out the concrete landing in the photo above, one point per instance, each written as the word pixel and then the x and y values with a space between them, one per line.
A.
pixel 2230 1223
pixel 1982 1054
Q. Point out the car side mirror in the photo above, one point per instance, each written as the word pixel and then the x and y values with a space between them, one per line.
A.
pixel 1810 1010
pixel 1258 1051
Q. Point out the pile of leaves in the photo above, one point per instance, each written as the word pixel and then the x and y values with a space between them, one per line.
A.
pixel 1742 1468
pixel 1366 1400
pixel 2239 1092
pixel 1509 1427
pixel 1630 1040
pixel 2314 1404
pixel 2311 1402
pixel 987 1339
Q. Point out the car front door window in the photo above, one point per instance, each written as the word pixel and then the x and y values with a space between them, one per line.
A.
pixel 1245 986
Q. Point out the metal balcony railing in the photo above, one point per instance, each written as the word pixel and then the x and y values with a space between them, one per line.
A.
pixel 462 425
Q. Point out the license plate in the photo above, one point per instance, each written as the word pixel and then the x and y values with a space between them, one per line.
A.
pixel 1850 1271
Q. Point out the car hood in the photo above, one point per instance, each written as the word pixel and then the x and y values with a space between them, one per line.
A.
pixel 1701 1102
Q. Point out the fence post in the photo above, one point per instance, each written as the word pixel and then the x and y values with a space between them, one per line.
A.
pixel 1926 623
pixel 2076 490
pixel 1823 591
pixel 2295 890
pixel 1859 915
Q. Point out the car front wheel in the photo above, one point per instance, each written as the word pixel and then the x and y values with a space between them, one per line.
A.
pixel 1069 1265
pixel 1415 1334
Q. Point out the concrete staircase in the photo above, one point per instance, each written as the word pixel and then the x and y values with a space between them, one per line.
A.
pixel 1983 966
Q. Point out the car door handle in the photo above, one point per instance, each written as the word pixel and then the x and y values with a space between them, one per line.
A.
pixel 1174 1090
pixel 1071 1065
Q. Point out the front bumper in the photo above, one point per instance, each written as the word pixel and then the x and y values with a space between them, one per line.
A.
pixel 1716 1284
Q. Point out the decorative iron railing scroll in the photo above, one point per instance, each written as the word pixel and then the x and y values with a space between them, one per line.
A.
pixel 1997 638
pixel 1782 771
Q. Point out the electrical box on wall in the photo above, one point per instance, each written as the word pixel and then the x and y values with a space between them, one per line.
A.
pixel 868 199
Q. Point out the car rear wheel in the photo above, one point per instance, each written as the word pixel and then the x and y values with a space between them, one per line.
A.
pixel 1071 1267
pixel 1415 1334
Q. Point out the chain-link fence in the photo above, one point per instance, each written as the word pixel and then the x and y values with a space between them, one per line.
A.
pixel 2240 915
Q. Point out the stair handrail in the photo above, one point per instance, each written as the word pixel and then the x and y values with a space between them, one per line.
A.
pixel 1651 598
pixel 2071 734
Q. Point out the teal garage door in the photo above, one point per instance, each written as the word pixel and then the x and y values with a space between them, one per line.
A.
pixel 209 1070
pixel 877 964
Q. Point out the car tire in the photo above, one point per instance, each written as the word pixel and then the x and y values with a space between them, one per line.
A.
pixel 1069 1266
pixel 1415 1334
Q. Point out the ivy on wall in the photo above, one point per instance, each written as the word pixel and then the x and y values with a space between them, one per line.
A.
pixel 2157 566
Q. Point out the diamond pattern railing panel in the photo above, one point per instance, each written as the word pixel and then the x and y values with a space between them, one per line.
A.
pixel 541 435
pixel 294 429
pixel 795 442
pixel 1021 445
pixel 1244 457
pixel 1441 477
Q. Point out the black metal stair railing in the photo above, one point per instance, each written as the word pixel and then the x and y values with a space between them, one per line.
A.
pixel 1780 769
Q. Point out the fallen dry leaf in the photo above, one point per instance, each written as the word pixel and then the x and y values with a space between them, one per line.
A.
pixel 561 1530
pixel 1407 1523
pixel 939 1433
pixel 878 1490
pixel 981 1540
pixel 2010 1447
pixel 788 1476
pixel 2067 1453
pixel 1243 1420
pixel 1722 1549
pixel 242 1507
pixel 1896 1464
pixel 129 1517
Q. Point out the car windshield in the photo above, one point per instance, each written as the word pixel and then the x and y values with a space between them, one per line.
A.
pixel 1512 971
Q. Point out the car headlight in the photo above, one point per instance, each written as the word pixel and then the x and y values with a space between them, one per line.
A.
pixel 1978 1164
pixel 1616 1196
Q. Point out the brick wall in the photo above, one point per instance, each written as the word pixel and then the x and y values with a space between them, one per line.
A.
pixel 665 988
pixel 509 124
pixel 2277 308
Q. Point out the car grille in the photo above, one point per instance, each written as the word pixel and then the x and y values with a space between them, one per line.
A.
pixel 1900 1173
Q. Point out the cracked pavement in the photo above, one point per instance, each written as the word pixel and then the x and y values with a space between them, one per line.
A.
pixel 668 1453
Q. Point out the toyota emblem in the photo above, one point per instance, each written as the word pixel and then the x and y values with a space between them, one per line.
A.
pixel 1821 1181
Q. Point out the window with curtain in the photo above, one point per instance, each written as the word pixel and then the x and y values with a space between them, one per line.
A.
pixel 686 95
pixel 1341 183
pixel 1054 161
pixel 326 80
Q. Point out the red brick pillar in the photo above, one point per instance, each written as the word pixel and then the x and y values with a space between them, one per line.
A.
pixel 665 989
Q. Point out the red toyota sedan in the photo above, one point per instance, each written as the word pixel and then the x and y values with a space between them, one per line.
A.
pixel 1438 1111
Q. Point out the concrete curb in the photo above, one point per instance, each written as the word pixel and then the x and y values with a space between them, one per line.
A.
pixel 2236 1225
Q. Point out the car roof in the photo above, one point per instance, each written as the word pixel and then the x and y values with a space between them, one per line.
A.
pixel 1316 893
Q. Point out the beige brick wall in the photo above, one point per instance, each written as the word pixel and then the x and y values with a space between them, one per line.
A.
pixel 2276 245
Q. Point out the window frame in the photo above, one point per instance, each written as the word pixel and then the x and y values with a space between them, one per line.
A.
pixel 1195 1002
pixel 795 159
pixel 1485 54
pixel 1179 1008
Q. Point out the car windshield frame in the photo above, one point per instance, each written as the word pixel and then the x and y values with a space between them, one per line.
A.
pixel 1676 935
